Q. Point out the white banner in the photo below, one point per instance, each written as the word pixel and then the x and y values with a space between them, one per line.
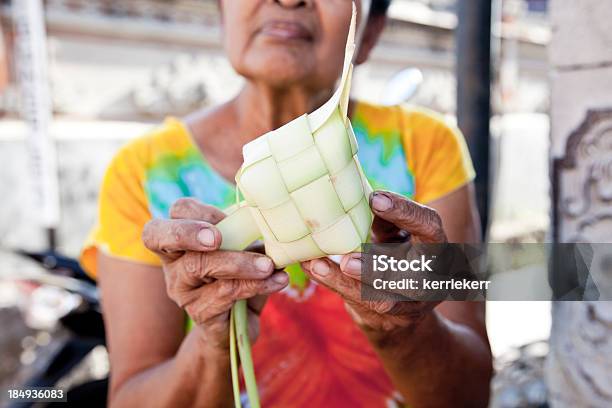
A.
pixel 31 66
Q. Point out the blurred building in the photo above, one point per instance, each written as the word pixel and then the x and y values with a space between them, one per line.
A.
pixel 116 67
pixel 144 59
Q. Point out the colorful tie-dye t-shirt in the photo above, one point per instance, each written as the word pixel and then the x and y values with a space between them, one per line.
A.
pixel 309 352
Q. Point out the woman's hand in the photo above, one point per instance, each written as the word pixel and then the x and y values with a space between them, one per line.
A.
pixel 397 219
pixel 205 281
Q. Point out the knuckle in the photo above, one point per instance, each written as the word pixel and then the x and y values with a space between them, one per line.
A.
pixel 210 214
pixel 192 263
pixel 203 265
pixel 194 269
pixel 249 288
pixel 228 288
pixel 180 231
pixel 430 229
pixel 434 217
pixel 240 263
pixel 383 306
pixel 181 207
pixel 183 302
pixel 190 208
pixel 434 223
pixel 408 209
pixel 347 285
pixel 150 237
pixel 198 314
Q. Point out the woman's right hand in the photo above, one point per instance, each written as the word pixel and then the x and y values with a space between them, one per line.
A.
pixel 206 281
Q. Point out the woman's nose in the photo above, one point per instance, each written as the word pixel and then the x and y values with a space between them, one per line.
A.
pixel 294 3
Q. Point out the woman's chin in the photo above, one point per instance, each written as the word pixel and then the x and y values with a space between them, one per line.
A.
pixel 281 70
pixel 280 78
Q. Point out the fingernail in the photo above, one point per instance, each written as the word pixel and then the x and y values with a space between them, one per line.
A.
pixel 281 278
pixel 321 268
pixel 206 237
pixel 381 202
pixel 353 266
pixel 263 264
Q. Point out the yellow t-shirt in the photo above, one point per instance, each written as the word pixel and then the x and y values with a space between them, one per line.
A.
pixel 309 352
pixel 409 150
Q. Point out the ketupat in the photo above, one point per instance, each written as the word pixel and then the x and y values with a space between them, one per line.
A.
pixel 305 194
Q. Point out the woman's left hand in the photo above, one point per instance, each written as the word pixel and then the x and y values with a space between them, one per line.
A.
pixel 397 219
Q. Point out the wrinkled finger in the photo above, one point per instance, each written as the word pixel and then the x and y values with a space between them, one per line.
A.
pixel 218 297
pixel 192 209
pixel 229 291
pixel 348 284
pixel 169 238
pixel 327 273
pixel 417 219
pixel 205 308
pixel 347 287
pixel 226 265
pixel 351 265
pixel 195 269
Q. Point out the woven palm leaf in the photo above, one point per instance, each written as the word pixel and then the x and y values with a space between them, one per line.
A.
pixel 304 190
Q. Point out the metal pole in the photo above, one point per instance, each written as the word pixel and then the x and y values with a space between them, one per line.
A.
pixel 473 45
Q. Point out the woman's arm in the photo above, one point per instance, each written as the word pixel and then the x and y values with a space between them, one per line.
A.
pixel 153 363
pixel 445 360
pixel 437 355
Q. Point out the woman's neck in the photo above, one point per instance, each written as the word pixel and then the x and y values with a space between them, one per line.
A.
pixel 259 109
pixel 220 133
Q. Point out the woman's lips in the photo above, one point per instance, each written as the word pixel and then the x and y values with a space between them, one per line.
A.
pixel 284 30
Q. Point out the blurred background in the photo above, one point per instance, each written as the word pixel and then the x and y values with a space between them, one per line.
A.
pixel 115 68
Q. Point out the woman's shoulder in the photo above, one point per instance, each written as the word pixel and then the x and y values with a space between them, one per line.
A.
pixel 418 129
pixel 169 138
pixel 404 117
pixel 435 150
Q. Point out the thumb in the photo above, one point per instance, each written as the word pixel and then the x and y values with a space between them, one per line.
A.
pixel 421 221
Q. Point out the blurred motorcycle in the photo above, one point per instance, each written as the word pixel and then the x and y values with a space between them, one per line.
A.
pixel 64 293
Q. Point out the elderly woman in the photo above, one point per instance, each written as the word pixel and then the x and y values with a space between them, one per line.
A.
pixel 166 300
